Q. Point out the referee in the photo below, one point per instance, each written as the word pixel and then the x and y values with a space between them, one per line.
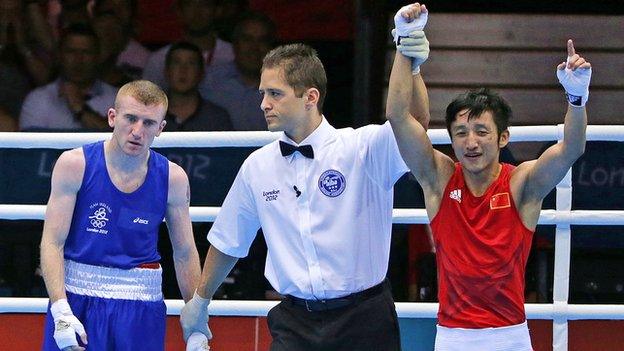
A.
pixel 323 197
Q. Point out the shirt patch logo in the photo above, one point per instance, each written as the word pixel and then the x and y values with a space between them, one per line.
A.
pixel 99 219
pixel 332 183
pixel 140 220
pixel 500 200
pixel 270 195
pixel 456 195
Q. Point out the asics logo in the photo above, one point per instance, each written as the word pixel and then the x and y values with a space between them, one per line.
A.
pixel 456 195
pixel 140 220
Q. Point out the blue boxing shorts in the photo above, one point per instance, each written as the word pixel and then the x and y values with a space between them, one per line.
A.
pixel 120 309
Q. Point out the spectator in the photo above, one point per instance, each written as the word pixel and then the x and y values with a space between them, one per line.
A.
pixel 234 85
pixel 229 12
pixel 114 24
pixel 63 14
pixel 112 38
pixel 77 99
pixel 21 44
pixel 14 86
pixel 7 122
pixel 197 20
pixel 187 110
pixel 38 26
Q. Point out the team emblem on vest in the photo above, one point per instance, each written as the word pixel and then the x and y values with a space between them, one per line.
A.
pixel 332 183
pixel 99 218
pixel 500 200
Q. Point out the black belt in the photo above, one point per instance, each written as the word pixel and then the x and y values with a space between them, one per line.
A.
pixel 344 301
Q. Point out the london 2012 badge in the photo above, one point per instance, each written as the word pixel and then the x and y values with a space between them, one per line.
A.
pixel 332 183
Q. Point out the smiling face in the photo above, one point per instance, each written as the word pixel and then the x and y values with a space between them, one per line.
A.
pixel 476 141
pixel 135 125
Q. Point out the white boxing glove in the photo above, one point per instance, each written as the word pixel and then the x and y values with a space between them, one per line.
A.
pixel 576 84
pixel 66 325
pixel 404 28
pixel 194 317
pixel 415 46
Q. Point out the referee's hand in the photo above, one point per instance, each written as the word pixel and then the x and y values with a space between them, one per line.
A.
pixel 197 342
pixel 194 317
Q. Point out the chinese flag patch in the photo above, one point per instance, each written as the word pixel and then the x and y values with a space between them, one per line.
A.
pixel 500 200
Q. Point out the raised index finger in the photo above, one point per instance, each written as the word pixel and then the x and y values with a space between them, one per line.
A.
pixel 571 51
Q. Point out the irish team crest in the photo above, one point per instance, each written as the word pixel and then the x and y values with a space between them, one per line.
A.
pixel 99 219
pixel 332 183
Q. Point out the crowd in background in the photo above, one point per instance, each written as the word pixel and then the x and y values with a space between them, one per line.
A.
pixel 62 61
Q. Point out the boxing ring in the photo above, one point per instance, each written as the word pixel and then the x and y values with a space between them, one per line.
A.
pixel 562 217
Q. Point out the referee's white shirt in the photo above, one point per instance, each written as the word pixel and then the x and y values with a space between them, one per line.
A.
pixel 334 238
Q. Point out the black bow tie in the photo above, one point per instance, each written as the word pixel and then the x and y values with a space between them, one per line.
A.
pixel 288 149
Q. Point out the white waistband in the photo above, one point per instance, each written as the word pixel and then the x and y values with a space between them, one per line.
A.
pixel 510 338
pixel 113 283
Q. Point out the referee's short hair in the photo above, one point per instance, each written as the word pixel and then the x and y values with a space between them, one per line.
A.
pixel 302 69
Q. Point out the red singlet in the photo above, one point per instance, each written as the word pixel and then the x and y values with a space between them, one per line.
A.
pixel 482 249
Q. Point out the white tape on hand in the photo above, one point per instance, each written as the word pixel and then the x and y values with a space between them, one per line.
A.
pixel 576 84
pixel 66 325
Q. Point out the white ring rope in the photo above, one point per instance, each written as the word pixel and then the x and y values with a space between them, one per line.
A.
pixel 560 312
pixel 250 139
pixel 399 216
pixel 404 309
